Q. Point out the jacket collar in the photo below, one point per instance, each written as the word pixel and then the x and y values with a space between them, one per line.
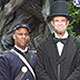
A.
pixel 26 49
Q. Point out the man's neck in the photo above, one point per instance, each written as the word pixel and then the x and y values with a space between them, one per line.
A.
pixel 22 49
pixel 64 35
pixel 60 35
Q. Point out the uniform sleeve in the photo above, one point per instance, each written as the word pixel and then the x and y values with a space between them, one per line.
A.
pixel 4 68
pixel 40 69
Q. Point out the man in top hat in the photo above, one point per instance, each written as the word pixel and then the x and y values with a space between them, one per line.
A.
pixel 58 56
pixel 19 62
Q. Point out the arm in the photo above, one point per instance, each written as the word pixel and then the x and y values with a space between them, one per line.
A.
pixel 40 69
pixel 4 69
pixel 75 73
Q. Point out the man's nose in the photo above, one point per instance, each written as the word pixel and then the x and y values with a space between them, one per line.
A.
pixel 24 36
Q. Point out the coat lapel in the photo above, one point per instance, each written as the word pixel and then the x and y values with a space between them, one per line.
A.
pixel 52 56
pixel 71 49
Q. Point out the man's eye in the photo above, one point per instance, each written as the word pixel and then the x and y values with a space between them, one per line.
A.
pixel 23 34
pixel 20 34
pixel 63 21
pixel 56 20
pixel 26 34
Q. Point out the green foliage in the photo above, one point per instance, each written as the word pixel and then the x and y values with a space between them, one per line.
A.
pixel 75 13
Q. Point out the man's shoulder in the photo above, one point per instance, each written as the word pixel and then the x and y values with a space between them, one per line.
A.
pixel 75 40
pixel 46 39
pixel 7 54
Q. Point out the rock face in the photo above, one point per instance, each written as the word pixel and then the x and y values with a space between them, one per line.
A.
pixel 33 12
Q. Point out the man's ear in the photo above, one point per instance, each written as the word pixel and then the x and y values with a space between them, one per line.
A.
pixel 13 36
pixel 68 22
pixel 52 23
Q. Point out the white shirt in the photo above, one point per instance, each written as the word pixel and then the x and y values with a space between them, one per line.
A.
pixel 60 45
pixel 25 50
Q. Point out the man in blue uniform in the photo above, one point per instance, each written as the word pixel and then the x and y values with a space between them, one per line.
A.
pixel 19 62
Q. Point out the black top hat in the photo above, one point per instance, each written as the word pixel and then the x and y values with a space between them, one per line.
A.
pixel 22 25
pixel 59 8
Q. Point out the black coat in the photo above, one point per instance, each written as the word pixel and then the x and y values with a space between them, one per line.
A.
pixel 46 60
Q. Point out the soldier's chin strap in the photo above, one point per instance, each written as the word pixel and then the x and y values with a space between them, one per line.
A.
pixel 25 62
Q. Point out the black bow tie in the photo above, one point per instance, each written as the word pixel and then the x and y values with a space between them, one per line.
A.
pixel 59 40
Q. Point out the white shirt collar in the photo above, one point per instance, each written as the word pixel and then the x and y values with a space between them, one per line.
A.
pixel 21 49
pixel 65 35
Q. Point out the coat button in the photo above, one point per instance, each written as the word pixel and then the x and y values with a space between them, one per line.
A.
pixel 27 79
pixel 24 69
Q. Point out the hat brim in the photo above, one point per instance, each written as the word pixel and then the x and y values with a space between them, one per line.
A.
pixel 49 18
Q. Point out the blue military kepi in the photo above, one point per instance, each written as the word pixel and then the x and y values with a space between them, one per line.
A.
pixel 22 25
pixel 59 8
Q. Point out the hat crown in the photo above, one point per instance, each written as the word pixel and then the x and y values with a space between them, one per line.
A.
pixel 22 25
pixel 59 8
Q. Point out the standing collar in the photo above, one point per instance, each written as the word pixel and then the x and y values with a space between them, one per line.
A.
pixel 65 35
pixel 26 49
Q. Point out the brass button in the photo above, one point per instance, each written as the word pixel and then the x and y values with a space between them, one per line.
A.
pixel 24 69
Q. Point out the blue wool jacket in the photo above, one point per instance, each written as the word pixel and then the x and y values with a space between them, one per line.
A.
pixel 11 65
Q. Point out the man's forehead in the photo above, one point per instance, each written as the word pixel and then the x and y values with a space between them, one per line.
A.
pixel 21 29
pixel 59 17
